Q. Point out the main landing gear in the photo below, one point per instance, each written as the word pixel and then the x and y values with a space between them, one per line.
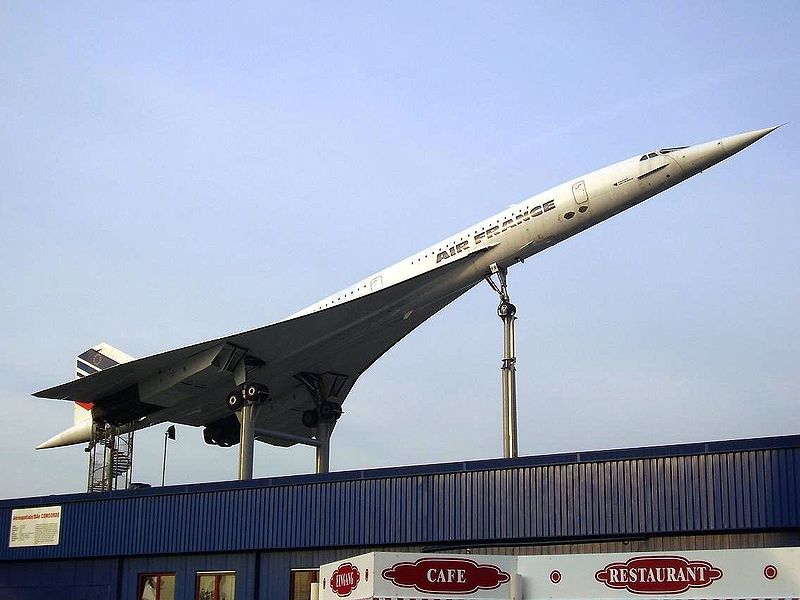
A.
pixel 327 411
pixel 253 393
pixel 247 400
pixel 322 417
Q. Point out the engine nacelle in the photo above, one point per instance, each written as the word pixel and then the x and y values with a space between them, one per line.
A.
pixel 224 432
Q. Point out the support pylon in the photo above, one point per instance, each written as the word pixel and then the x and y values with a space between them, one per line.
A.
pixel 507 313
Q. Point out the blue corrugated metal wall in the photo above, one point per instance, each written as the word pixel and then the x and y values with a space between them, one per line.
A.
pixel 186 569
pixel 46 580
pixel 729 486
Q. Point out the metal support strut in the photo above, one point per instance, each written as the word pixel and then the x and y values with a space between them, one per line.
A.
pixel 323 458
pixel 247 418
pixel 507 313
pixel 247 400
pixel 322 461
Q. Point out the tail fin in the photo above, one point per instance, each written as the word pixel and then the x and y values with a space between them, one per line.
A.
pixel 99 357
pixel 95 359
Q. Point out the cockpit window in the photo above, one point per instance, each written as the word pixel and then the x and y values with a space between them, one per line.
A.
pixel 644 157
pixel 652 155
pixel 668 150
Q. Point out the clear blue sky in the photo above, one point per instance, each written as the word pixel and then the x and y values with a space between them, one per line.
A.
pixel 173 172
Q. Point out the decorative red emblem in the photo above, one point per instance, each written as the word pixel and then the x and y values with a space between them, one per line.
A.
pixel 658 575
pixel 446 575
pixel 345 579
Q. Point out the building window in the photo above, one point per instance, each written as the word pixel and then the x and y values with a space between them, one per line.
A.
pixel 156 586
pixel 300 586
pixel 216 586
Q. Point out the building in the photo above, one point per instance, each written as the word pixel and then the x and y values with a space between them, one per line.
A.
pixel 265 538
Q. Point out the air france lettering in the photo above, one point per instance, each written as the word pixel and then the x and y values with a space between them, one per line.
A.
pixel 446 575
pixel 494 230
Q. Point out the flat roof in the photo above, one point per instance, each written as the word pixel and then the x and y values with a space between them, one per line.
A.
pixel 685 489
pixel 562 458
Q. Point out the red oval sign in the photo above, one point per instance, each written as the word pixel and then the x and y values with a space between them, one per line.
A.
pixel 345 579
pixel 446 575
pixel 658 575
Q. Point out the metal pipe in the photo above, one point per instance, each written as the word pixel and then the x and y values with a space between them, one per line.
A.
pixel 323 458
pixel 169 434
pixel 108 473
pixel 507 311
pixel 164 464
pixel 246 440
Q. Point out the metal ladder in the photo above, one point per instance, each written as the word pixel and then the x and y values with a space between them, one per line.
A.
pixel 110 458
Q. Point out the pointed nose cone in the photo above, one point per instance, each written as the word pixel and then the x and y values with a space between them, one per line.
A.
pixel 734 143
pixel 701 156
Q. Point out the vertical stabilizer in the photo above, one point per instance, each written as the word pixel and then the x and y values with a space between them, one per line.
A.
pixel 99 357
pixel 95 359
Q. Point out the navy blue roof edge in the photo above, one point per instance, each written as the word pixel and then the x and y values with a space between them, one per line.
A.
pixel 644 452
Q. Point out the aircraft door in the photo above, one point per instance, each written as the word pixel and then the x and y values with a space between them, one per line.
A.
pixel 579 192
pixel 376 283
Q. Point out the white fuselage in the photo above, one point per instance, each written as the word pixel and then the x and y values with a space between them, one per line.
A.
pixel 529 227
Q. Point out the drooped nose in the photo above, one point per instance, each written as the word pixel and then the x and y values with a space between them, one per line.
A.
pixel 699 157
pixel 732 144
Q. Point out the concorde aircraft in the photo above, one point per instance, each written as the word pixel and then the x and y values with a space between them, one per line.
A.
pixel 300 370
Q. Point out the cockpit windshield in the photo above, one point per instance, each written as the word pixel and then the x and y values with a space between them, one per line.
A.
pixel 662 151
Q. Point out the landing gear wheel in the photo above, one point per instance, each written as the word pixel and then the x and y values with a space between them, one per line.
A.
pixel 255 392
pixel 330 411
pixel 310 418
pixel 236 400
